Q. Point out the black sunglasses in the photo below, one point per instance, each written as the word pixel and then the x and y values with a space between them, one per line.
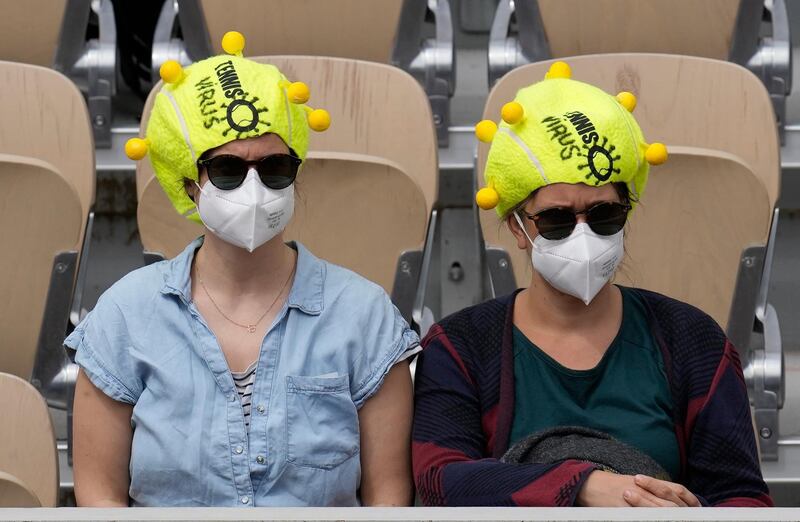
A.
pixel 227 172
pixel 605 219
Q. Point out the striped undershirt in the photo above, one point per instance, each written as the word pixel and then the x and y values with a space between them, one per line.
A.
pixel 244 382
pixel 244 386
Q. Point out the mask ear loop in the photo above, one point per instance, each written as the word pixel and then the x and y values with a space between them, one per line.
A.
pixel 519 221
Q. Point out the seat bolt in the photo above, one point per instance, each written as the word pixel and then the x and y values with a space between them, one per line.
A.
pixel 99 120
pixel 765 433
pixel 405 267
pixel 456 273
pixel 503 263
pixel 61 268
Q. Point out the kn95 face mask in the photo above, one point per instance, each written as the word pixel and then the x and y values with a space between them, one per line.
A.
pixel 578 265
pixel 249 215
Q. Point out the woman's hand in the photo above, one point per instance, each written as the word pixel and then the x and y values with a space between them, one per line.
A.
pixel 605 489
pixel 663 490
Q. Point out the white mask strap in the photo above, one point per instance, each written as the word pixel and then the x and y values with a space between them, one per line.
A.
pixel 516 216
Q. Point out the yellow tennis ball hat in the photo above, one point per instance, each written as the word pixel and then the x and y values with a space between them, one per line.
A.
pixel 213 102
pixel 561 130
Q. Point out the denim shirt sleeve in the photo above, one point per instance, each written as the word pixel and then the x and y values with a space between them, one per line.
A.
pixel 386 336
pixel 102 344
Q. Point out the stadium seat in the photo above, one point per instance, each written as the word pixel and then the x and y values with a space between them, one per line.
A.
pixel 388 31
pixel 47 171
pixel 48 177
pixel 52 33
pixel 368 185
pixel 359 29
pixel 13 493
pixel 694 236
pixel 720 29
pixel 28 463
pixel 30 39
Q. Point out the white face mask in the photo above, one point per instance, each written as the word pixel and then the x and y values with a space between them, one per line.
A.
pixel 249 215
pixel 579 265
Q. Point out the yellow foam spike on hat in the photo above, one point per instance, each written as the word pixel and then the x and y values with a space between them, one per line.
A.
pixel 298 92
pixel 233 43
pixel 512 113
pixel 487 198
pixel 171 72
pixel 485 130
pixel 627 100
pixel 136 148
pixel 319 120
pixel 656 154
pixel 559 70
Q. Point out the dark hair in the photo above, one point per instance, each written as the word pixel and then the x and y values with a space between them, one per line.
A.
pixel 622 191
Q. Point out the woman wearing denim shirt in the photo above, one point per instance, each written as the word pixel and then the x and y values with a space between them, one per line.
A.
pixel 245 371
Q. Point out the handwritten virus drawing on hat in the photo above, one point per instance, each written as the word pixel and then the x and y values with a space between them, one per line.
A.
pixel 211 102
pixel 239 112
pixel 563 131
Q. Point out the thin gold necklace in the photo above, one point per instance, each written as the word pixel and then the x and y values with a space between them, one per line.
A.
pixel 251 328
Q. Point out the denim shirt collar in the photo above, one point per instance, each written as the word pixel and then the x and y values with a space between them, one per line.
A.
pixel 305 295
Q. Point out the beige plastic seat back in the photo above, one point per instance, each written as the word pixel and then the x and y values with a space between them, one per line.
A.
pixel 709 201
pixel 29 30
pixel 688 27
pixel 368 185
pixel 15 494
pixel 360 29
pixel 28 452
pixel 45 117
pixel 47 174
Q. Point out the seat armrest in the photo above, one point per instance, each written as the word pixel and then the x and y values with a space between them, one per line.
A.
pixel 430 60
pixel 764 369
pixel 768 57
pixel 529 44
pixel 52 373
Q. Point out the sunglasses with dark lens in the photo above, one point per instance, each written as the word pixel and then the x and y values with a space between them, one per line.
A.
pixel 605 219
pixel 227 172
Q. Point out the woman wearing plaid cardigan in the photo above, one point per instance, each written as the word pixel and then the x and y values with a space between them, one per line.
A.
pixel 658 376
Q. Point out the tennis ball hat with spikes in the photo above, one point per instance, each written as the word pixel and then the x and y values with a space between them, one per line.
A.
pixel 563 131
pixel 213 102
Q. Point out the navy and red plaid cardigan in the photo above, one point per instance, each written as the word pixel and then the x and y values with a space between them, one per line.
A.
pixel 465 407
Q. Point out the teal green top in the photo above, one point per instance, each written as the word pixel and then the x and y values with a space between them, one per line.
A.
pixel 626 395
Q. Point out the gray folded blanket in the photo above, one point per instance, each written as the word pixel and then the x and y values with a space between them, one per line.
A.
pixel 578 443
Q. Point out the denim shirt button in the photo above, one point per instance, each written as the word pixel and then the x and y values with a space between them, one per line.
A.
pixel 233 397
pixel 260 408
pixel 239 451
pixel 260 459
pixel 245 499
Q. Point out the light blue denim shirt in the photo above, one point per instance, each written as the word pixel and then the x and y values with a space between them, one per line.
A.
pixel 327 352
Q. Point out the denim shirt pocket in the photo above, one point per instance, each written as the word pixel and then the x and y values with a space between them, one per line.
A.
pixel 321 421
